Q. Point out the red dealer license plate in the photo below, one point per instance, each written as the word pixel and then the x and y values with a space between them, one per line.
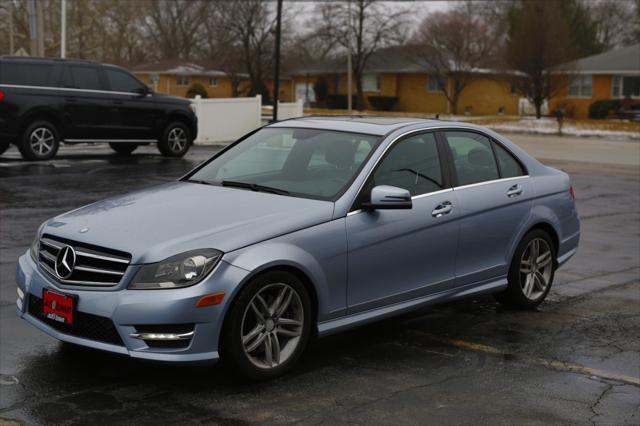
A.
pixel 58 307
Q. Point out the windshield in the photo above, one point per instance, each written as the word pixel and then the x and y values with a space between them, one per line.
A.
pixel 302 162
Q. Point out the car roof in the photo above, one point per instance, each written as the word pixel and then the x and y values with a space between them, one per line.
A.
pixel 35 59
pixel 371 125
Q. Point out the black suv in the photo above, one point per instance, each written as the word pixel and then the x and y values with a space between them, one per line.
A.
pixel 47 101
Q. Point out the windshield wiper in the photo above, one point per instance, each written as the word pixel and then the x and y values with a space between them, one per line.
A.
pixel 203 182
pixel 254 187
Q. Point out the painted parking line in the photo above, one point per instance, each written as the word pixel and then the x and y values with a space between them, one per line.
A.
pixel 555 364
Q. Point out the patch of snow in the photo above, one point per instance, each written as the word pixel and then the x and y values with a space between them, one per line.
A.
pixel 549 126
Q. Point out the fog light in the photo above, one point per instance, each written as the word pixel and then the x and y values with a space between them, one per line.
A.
pixel 20 293
pixel 162 336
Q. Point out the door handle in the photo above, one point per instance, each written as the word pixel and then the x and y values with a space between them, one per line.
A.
pixel 118 103
pixel 71 99
pixel 514 191
pixel 441 209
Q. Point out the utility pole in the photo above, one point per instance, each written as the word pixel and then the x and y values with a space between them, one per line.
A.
pixel 40 22
pixel 11 28
pixel 33 27
pixel 349 97
pixel 276 83
pixel 63 29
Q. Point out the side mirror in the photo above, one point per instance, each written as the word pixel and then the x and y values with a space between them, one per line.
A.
pixel 143 91
pixel 385 197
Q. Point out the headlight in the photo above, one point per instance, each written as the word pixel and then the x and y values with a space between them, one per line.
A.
pixel 177 271
pixel 35 244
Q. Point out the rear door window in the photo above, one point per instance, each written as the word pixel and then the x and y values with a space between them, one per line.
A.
pixel 82 77
pixel 25 74
pixel 473 157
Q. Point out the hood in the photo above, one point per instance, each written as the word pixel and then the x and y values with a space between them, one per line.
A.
pixel 171 98
pixel 169 219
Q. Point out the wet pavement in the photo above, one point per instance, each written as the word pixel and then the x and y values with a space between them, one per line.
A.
pixel 576 360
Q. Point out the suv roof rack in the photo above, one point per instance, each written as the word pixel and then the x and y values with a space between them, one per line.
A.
pixel 38 58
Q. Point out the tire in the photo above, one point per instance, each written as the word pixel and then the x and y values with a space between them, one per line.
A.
pixel 123 148
pixel 40 141
pixel 4 145
pixel 526 290
pixel 176 140
pixel 276 345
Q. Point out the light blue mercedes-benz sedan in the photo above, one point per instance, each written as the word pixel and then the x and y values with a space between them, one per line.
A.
pixel 301 228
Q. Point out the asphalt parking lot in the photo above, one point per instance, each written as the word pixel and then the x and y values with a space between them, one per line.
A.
pixel 576 360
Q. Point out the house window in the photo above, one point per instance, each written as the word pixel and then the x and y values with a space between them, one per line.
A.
pixel 435 84
pixel 580 86
pixel 213 81
pixel 182 80
pixel 616 86
pixel 631 86
pixel 371 83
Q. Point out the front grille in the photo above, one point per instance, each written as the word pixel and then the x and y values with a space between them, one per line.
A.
pixel 94 266
pixel 88 326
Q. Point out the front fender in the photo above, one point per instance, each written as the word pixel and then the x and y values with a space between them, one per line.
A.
pixel 319 252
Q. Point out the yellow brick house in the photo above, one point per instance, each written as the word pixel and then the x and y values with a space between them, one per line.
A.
pixel 176 76
pixel 389 72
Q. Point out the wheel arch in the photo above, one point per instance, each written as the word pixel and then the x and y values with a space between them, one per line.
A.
pixel 182 117
pixel 44 114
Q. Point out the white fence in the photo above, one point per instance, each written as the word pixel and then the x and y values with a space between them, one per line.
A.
pixel 224 120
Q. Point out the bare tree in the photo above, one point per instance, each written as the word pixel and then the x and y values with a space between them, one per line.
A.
pixel 454 46
pixel 615 22
pixel 249 26
pixel 371 26
pixel 538 40
pixel 175 26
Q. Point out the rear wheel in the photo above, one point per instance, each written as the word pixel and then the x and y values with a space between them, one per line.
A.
pixel 123 148
pixel 4 145
pixel 531 272
pixel 268 326
pixel 40 141
pixel 176 140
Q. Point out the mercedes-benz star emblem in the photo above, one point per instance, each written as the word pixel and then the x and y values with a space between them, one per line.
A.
pixel 65 262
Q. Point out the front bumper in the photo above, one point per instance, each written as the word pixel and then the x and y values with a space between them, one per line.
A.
pixel 130 308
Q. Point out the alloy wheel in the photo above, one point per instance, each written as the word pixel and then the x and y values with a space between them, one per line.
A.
pixel 272 325
pixel 177 139
pixel 41 141
pixel 536 268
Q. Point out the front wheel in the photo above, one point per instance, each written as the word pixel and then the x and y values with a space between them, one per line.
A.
pixel 531 272
pixel 268 326
pixel 4 145
pixel 123 148
pixel 40 141
pixel 176 140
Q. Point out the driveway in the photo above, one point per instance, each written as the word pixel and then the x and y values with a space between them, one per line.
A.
pixel 574 360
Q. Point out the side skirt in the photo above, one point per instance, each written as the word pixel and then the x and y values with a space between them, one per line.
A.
pixel 361 318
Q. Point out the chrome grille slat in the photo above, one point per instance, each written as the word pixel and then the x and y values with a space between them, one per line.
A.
pixel 98 270
pixel 101 257
pixel 94 267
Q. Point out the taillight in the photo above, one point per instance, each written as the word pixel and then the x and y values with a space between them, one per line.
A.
pixel 572 192
pixel 1 96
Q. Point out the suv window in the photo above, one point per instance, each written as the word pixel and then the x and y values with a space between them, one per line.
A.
pixel 24 74
pixel 82 77
pixel 473 157
pixel 121 81
pixel 509 166
pixel 412 164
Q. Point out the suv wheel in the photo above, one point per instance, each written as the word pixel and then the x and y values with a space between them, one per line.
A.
pixel 123 148
pixel 268 326
pixel 531 272
pixel 4 145
pixel 175 141
pixel 40 141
